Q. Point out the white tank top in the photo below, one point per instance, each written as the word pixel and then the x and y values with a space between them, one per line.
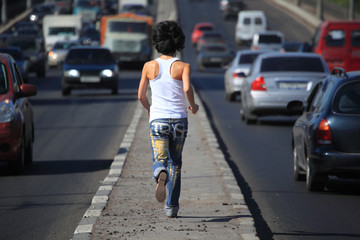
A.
pixel 167 94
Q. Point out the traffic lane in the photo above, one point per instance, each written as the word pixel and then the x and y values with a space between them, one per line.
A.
pixel 263 155
pixel 76 138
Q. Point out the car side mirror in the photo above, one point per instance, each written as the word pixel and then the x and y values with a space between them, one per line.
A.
pixel 295 107
pixel 27 90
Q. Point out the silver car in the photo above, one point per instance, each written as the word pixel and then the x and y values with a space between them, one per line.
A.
pixel 277 80
pixel 58 53
pixel 237 71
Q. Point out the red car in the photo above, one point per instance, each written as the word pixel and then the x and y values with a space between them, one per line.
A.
pixel 16 116
pixel 199 29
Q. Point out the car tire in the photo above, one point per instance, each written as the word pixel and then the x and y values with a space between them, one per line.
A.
pixel 247 118
pixel 314 181
pixel 229 97
pixel 18 165
pixel 29 151
pixel 114 91
pixel 297 175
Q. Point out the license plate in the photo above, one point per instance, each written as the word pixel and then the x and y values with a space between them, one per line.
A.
pixel 90 79
pixel 292 86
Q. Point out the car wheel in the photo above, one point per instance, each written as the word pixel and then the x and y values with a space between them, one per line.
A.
pixel 18 165
pixel 229 97
pixel 314 182
pixel 29 153
pixel 297 175
pixel 66 91
pixel 248 119
pixel 114 91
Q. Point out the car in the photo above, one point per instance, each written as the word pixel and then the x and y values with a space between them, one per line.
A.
pixel 59 51
pixel 33 50
pixel 214 55
pixel 237 71
pixel 210 37
pixel 339 43
pixel 199 29
pixel 325 138
pixel 277 80
pixel 295 46
pixel 16 116
pixel 249 22
pixel 21 61
pixel 40 10
pixel 273 40
pixel 90 36
pixel 89 67
pixel 25 24
pixel 231 8
pixel 29 32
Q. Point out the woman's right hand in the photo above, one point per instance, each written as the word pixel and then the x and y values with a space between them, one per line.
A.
pixel 194 108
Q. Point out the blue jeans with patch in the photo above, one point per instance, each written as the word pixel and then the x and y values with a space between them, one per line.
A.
pixel 167 141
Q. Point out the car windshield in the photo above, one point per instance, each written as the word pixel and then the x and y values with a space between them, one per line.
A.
pixel 17 55
pixel 248 58
pixel 3 79
pixel 89 56
pixel 206 28
pixel 269 39
pixel 63 45
pixel 292 64
pixel 62 31
pixel 347 99
pixel 133 27
pixel 24 45
pixel 215 49
pixel 212 37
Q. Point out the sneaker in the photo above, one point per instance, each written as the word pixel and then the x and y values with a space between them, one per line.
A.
pixel 160 191
pixel 171 212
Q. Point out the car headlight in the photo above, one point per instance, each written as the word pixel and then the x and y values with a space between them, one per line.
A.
pixel 73 73
pixel 107 73
pixel 7 112
pixel 33 17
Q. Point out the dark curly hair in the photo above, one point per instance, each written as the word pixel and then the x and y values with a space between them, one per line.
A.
pixel 168 38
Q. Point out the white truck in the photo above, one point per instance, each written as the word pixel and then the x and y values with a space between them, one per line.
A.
pixel 60 28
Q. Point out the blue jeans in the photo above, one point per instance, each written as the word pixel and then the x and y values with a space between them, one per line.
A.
pixel 167 141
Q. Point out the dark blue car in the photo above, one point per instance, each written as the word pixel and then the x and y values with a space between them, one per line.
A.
pixel 326 137
pixel 89 67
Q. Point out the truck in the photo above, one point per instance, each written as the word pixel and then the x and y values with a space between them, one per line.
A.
pixel 60 28
pixel 128 36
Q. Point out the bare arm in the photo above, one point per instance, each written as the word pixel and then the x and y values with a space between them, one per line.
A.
pixel 189 93
pixel 143 86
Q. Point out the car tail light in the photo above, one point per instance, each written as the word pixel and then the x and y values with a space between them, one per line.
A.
pixel 324 133
pixel 258 84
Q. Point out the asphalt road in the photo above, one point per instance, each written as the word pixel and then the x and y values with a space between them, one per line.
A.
pixel 261 154
pixel 76 139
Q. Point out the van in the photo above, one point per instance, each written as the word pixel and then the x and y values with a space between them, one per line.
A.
pixel 339 44
pixel 249 22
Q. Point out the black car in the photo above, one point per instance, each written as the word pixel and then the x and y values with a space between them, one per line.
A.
pixel 325 138
pixel 33 50
pixel 232 8
pixel 40 10
pixel 89 67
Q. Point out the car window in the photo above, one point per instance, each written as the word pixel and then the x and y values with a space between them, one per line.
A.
pixel 3 79
pixel 335 38
pixel 258 21
pixel 247 58
pixel 247 21
pixel 270 39
pixel 86 56
pixel 347 99
pixel 355 38
pixel 292 64
pixel 17 80
pixel 315 97
pixel 206 28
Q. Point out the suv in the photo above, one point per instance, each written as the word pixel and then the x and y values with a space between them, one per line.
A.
pixel 33 50
pixel 16 116
pixel 339 43
pixel 325 138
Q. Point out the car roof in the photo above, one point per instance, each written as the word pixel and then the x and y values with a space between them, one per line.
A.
pixel 289 54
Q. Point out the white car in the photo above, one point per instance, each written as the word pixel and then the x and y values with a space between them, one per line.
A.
pixel 249 22
pixel 269 40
